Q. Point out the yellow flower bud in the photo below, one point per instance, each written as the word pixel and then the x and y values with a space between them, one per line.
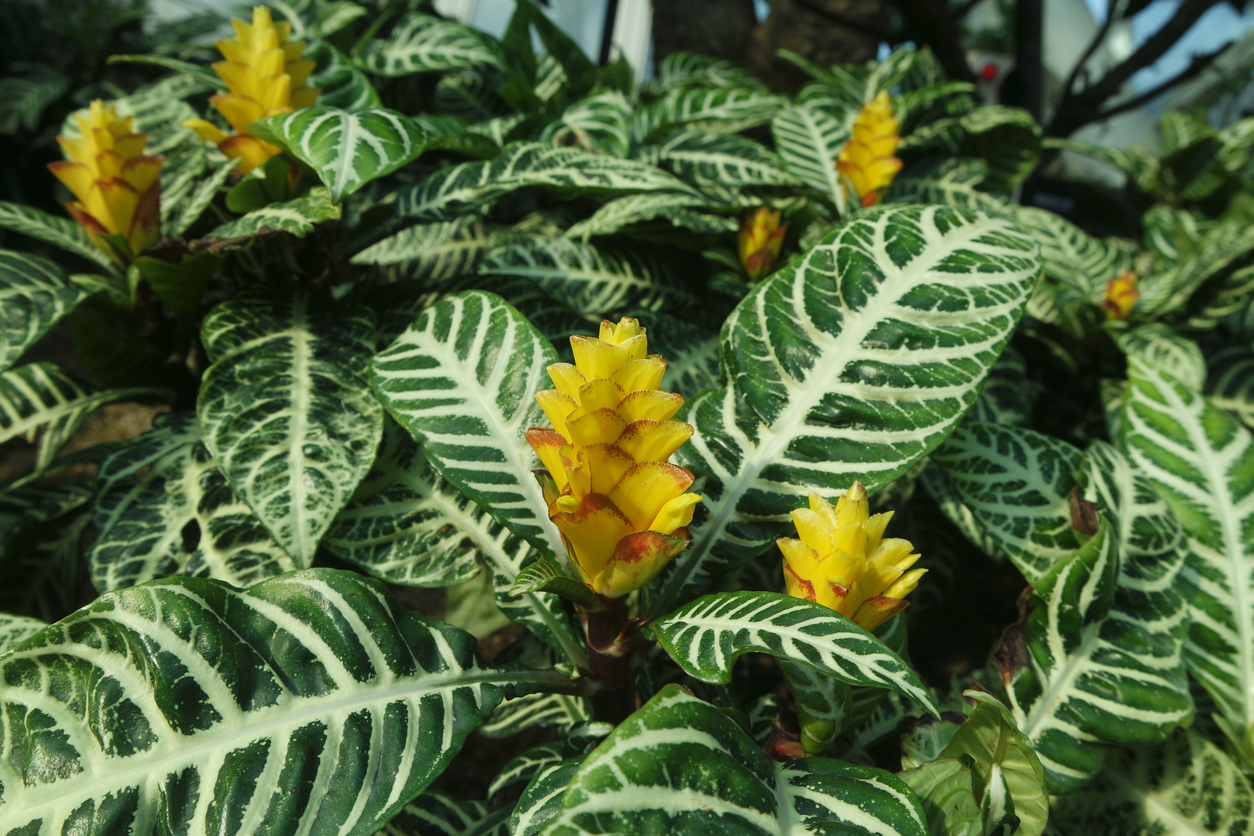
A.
pixel 867 158
pixel 843 562
pixel 116 187
pixel 1121 296
pixel 621 506
pixel 266 75
pixel 761 236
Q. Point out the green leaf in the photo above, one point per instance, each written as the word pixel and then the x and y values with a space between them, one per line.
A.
pixel 946 790
pixel 436 813
pixel 714 109
pixel 542 799
pixel 297 217
pixel 679 766
pixel 1186 787
pixel 342 84
pixel 15 629
pixel 599 281
pixel 954 181
pixel 557 711
pixel 637 208
pixel 34 294
pixel 1230 382
pixel 180 286
pixel 1002 761
pixel 1201 462
pixel 1009 395
pixel 334 16
pixel 1070 255
pixel 1158 346
pixel 600 123
pixel 1206 274
pixel 309 695
pixel 436 251
pixel 407 525
pixel 60 232
pixel 163 508
pixel 346 149
pixel 458 189
pixel 40 400
pixel 808 141
pixel 423 43
pixel 851 363
pixel 721 160
pixel 682 68
pixel 706 637
pixel 286 409
pixel 1017 483
pixel 201 74
pixel 194 204
pixel 462 380
pixel 547 576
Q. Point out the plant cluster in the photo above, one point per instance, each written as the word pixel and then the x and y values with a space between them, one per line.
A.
pixel 680 371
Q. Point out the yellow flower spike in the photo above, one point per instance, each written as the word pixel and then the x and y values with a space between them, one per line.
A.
pixel 1121 296
pixel 761 237
pixel 265 75
pixel 622 508
pixel 843 562
pixel 867 158
pixel 115 186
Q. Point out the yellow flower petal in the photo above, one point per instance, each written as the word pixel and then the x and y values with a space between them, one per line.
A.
pixel 645 488
pixel 676 514
pixel 601 427
pixel 653 404
pixel 593 529
pixel 640 374
pixel 646 440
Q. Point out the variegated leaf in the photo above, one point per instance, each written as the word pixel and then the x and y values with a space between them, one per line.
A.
pixel 600 123
pixel 556 711
pixel 346 149
pixel 41 401
pixel 462 379
pixel 950 182
pixel 191 705
pixel 721 160
pixel 1202 463
pixel 713 109
pixel 690 68
pixel 407 525
pixel 1009 395
pixel 1185 787
pixel 15 629
pixel 1230 382
pixel 707 636
pixel 286 409
pixel 851 363
pixel 60 232
pixel 436 813
pixel 1017 484
pixel 436 252
pixel 423 43
pixel 458 189
pixel 808 141
pixel 679 766
pixel 542 798
pixel 163 508
pixel 1159 346
pixel 34 294
pixel 296 217
pixel 342 84
pixel 1070 255
pixel 597 281
pixel 676 207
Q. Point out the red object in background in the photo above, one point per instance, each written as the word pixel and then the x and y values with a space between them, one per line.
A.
pixel 989 72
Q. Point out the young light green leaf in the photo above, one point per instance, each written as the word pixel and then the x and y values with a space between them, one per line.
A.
pixel 297 217
pixel 851 363
pixel 34 294
pixel 60 232
pixel 679 766
pixel 1201 462
pixel 336 671
pixel 707 636
pixel 346 149
pixel 424 43
pixel 286 409
pixel 946 791
pixel 462 379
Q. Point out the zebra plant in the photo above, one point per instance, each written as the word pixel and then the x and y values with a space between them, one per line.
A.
pixel 536 452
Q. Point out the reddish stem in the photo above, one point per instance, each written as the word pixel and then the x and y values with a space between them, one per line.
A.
pixel 609 662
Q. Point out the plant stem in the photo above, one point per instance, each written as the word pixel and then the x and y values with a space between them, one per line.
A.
pixel 615 699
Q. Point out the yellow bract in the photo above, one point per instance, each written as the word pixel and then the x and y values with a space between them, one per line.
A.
pixel 761 237
pixel 621 506
pixel 1121 296
pixel 116 187
pixel 867 158
pixel 266 75
pixel 842 560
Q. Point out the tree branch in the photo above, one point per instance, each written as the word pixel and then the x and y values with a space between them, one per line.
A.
pixel 1098 38
pixel 965 9
pixel 1196 66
